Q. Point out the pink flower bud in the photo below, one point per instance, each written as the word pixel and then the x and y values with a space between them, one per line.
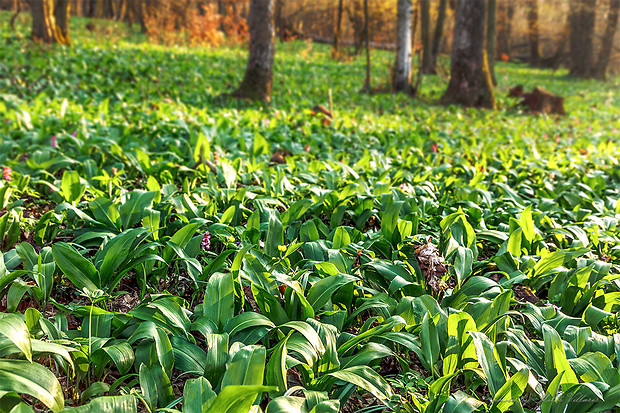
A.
pixel 53 142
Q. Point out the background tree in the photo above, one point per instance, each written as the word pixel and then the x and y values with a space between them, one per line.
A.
pixel 257 80
pixel 491 37
pixel 582 21
pixel 44 21
pixel 470 81
pixel 401 81
pixel 338 28
pixel 532 31
pixel 438 34
pixel 607 44
pixel 506 13
pixel 425 20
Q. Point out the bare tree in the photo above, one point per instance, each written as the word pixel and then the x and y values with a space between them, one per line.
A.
pixel 401 82
pixel 257 80
pixel 470 81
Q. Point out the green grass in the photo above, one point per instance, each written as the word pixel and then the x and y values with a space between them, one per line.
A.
pixel 409 255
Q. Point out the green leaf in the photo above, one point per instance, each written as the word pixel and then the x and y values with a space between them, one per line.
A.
pixel 198 395
pixel 555 357
pixel 72 188
pixel 13 327
pixel 321 292
pixel 237 399
pixel 489 359
pixel 219 301
pixel 246 368
pixel 108 404
pixel 80 271
pixel 32 379
pixel 508 395
pixel 367 379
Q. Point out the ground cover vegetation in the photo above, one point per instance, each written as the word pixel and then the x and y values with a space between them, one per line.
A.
pixel 166 248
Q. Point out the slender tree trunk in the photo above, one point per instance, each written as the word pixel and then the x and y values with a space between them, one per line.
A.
pixel 62 11
pixel 604 55
pixel 532 31
pixel 367 30
pixel 401 81
pixel 257 80
pixel 426 37
pixel 491 37
pixel 337 29
pixel 280 29
pixel 582 22
pixel 16 10
pixel 470 81
pixel 438 35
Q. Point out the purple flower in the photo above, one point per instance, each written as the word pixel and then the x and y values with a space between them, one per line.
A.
pixel 74 134
pixel 54 143
pixel 206 241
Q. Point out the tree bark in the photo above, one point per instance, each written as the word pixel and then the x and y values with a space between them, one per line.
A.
pixel 44 26
pixel 338 28
pixel 470 81
pixel 608 40
pixel 532 32
pixel 438 35
pixel 582 20
pixel 62 11
pixel 491 37
pixel 401 81
pixel 257 80
pixel 426 37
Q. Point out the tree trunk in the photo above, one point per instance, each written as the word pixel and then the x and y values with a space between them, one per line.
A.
pixel 62 11
pixel 426 37
pixel 367 30
pixel 506 14
pixel 279 22
pixel 582 21
pixel 438 36
pixel 532 31
pixel 338 28
pixel 600 72
pixel 491 37
pixel 257 80
pixel 470 81
pixel 401 81
pixel 44 27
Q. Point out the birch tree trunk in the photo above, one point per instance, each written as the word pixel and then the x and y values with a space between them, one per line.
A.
pixel 470 81
pixel 257 80
pixel 401 81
